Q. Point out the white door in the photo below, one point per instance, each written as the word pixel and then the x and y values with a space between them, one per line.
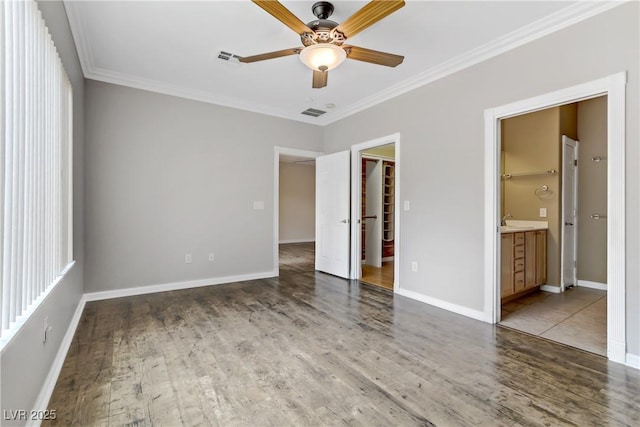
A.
pixel 569 211
pixel 332 213
pixel 373 214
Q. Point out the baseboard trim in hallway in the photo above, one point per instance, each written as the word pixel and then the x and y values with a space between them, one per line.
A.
pixel 151 289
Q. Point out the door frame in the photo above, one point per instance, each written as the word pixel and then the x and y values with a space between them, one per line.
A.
pixel 356 211
pixel 614 87
pixel 373 257
pixel 277 151
pixel 566 141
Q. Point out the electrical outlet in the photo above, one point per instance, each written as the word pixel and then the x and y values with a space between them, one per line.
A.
pixel 543 212
pixel 212 256
pixel 187 258
pixel 406 205
pixel 414 266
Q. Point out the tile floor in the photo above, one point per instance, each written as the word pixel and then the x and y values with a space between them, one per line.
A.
pixel 577 317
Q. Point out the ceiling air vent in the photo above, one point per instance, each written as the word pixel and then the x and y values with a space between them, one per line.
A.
pixel 226 56
pixel 313 112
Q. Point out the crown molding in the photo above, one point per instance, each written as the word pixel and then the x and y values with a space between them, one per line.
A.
pixel 564 18
pixel 79 31
pixel 135 82
pixel 559 20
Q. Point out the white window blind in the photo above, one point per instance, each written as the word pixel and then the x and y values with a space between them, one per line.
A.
pixel 35 157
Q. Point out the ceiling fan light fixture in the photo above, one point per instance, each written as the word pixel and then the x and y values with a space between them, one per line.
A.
pixel 322 56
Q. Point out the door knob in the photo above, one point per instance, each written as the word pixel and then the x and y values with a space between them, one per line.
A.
pixel 345 221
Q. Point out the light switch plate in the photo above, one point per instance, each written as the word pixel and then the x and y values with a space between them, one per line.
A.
pixel 258 206
pixel 406 206
pixel 543 212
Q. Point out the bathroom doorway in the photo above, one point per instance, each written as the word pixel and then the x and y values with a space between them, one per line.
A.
pixel 553 263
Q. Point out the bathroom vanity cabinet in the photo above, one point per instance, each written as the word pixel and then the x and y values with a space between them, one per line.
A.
pixel 523 262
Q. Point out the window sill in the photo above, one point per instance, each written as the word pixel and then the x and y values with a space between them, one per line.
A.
pixel 14 329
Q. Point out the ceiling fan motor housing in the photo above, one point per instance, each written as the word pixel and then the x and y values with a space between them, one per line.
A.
pixel 323 28
pixel 322 9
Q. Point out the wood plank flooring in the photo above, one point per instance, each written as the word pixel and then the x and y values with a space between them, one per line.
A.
pixel 576 317
pixel 310 349
pixel 378 276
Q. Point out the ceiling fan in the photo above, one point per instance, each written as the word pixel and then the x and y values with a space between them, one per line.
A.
pixel 323 39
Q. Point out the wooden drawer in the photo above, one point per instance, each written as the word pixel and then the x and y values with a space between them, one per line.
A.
pixel 518 265
pixel 518 238
pixel 518 281
pixel 518 251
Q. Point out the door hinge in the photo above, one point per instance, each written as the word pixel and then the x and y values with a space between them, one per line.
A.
pixel 575 162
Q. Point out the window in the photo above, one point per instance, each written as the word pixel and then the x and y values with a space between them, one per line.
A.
pixel 35 164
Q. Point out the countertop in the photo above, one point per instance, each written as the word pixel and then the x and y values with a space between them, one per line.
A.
pixel 520 226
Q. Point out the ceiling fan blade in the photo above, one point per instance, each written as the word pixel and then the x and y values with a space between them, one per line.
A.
pixel 271 55
pixel 373 56
pixel 371 13
pixel 319 79
pixel 284 15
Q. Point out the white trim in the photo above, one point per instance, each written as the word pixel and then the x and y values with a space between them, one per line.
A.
pixel 390 258
pixel 151 289
pixel 551 288
pixel 632 360
pixel 563 18
pixel 614 87
pixel 307 240
pixel 454 308
pixel 356 212
pixel 42 402
pixel 277 151
pixel 124 79
pixel 592 285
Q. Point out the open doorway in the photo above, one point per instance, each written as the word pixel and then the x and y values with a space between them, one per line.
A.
pixel 294 209
pixel 553 193
pixel 614 87
pixel 377 223
pixel 375 199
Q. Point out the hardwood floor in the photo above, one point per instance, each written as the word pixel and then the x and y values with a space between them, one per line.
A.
pixel 310 349
pixel 577 317
pixel 378 276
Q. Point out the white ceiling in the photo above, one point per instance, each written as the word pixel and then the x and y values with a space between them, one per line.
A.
pixel 172 47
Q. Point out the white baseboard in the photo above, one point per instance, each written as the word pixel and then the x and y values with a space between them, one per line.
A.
pixel 592 285
pixel 309 240
pixel 633 360
pixel 550 288
pixel 151 289
pixel 455 308
pixel 387 259
pixel 42 402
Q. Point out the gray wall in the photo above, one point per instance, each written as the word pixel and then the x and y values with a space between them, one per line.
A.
pixel 442 151
pixel 592 190
pixel 168 176
pixel 297 209
pixel 26 361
